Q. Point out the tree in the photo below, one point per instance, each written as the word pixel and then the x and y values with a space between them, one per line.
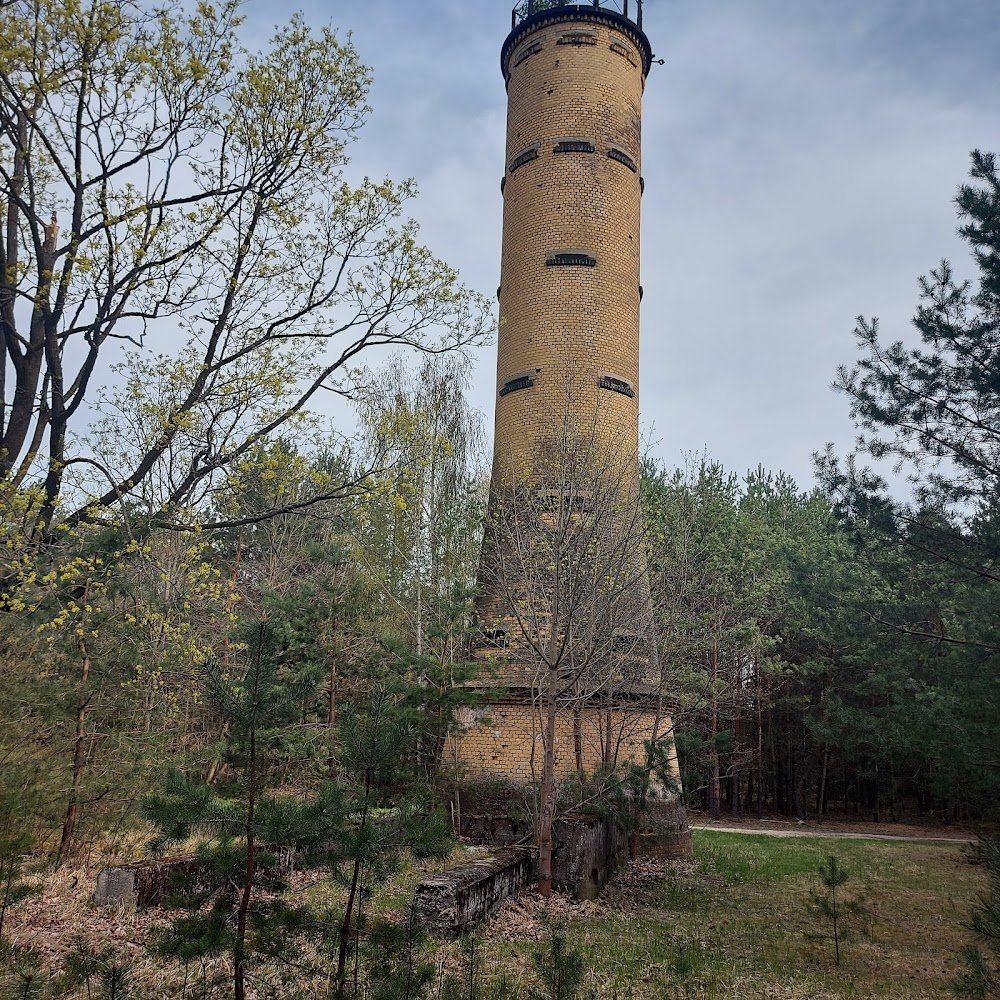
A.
pixel 833 876
pixel 440 676
pixel 560 969
pixel 398 967
pixel 162 184
pixel 103 636
pixel 564 554
pixel 708 610
pixel 376 741
pixel 981 977
pixel 421 526
pixel 471 982
pixel 933 411
pixel 233 894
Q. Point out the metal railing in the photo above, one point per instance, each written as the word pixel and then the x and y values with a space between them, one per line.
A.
pixel 632 9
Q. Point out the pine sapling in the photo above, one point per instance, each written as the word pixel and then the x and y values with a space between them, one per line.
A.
pixel 560 969
pixel 235 899
pixel 837 909
pixel 473 983
pixel 116 981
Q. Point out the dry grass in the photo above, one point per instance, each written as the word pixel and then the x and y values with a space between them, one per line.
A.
pixel 735 923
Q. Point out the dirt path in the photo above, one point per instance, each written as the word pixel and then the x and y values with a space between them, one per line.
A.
pixel 835 834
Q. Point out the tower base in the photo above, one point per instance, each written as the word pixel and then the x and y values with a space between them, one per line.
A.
pixel 497 756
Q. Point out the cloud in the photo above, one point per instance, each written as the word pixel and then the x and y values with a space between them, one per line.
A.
pixel 800 163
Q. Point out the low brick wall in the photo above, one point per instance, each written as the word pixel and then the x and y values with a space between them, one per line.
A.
pixel 666 846
pixel 448 903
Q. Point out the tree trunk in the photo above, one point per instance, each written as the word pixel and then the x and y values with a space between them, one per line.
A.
pixel 547 792
pixel 345 928
pixel 578 739
pixel 345 924
pixel 799 804
pixel 735 803
pixel 714 806
pixel 821 793
pixel 72 816
pixel 331 713
pixel 760 738
pixel 714 810
pixel 239 951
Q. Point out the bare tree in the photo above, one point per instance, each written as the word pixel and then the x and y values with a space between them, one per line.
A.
pixel 564 556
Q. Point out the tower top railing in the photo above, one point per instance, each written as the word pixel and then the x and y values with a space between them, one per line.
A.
pixel 630 9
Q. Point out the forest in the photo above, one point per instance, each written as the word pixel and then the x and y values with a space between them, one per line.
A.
pixel 218 618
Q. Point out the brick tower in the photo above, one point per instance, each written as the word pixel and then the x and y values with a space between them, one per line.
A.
pixel 567 414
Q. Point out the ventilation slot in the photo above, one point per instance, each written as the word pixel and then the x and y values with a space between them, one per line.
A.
pixel 577 38
pixel 623 50
pixel 620 156
pixel 519 382
pixel 616 385
pixel 531 153
pixel 627 641
pixel 579 501
pixel 573 146
pixel 495 637
pixel 527 52
pixel 569 258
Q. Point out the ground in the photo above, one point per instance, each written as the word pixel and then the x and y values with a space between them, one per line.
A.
pixel 836 826
pixel 736 922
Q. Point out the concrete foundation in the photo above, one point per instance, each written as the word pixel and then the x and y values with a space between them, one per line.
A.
pixel 587 848
pixel 142 883
pixel 450 902
pixel 146 883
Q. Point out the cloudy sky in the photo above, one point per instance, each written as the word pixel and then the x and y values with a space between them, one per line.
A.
pixel 800 158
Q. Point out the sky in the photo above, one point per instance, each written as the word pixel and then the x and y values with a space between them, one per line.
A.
pixel 800 158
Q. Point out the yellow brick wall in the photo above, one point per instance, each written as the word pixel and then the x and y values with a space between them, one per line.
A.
pixel 573 76
pixel 504 741
pixel 574 323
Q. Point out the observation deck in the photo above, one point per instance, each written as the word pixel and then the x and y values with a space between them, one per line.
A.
pixel 531 14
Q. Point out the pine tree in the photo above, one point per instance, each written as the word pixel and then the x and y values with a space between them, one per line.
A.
pixel 398 969
pixel 932 411
pixel 233 898
pixel 388 814
pixel 981 976
pixel 833 875
pixel 472 981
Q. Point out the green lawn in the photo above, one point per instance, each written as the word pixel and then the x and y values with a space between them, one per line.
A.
pixel 740 924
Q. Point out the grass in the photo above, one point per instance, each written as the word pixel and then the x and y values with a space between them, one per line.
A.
pixel 741 925
pixel 736 924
